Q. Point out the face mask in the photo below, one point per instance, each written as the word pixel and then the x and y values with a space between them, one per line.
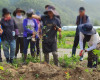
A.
pixel 19 17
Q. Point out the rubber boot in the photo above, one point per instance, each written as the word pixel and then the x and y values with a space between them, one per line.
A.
pixel 7 60
pixel 73 51
pixel 11 61
pixel 25 57
pixel 89 64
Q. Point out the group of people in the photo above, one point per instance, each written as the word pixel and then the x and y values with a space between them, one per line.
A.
pixel 27 27
pixel 85 33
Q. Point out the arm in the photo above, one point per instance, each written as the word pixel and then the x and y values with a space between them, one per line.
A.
pixel 59 26
pixel 16 28
pixel 36 17
pixel 25 29
pixel 94 43
pixel 36 25
pixel 88 20
pixel 81 38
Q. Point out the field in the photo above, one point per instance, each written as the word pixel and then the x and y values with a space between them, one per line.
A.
pixel 70 68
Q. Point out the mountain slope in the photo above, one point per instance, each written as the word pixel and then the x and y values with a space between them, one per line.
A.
pixel 68 9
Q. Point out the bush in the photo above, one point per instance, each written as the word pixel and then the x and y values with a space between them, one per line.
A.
pixel 68 61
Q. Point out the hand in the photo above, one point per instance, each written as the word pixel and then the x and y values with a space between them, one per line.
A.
pixel 81 52
pixel 33 36
pixel 1 31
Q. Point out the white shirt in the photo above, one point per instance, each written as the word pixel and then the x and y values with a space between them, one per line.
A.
pixel 31 24
pixel 95 39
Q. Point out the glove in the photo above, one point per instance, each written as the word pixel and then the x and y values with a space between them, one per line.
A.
pixel 55 27
pixel 82 53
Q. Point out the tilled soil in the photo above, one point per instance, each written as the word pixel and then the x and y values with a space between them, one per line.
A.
pixel 37 71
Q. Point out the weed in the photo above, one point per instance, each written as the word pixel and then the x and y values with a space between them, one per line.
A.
pixel 37 75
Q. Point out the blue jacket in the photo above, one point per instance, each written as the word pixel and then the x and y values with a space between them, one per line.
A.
pixel 26 30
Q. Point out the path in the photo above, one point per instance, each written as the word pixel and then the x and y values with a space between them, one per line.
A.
pixel 61 52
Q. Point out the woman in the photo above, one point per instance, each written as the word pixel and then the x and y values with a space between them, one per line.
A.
pixel 88 33
pixel 10 31
pixel 19 17
pixel 30 28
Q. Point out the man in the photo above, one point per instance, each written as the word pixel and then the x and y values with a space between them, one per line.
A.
pixel 49 31
pixel 81 19
pixel 56 14
pixel 89 34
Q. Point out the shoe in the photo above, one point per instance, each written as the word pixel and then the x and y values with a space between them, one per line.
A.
pixel 7 60
pixel 11 61
pixel 0 59
pixel 81 58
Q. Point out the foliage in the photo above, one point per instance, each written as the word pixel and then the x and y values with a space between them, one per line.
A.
pixel 67 75
pixel 68 61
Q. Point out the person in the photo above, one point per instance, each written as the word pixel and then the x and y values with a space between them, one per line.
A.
pixel 81 19
pixel 10 31
pixel 38 34
pixel 51 25
pixel 30 28
pixel 19 17
pixel 88 33
pixel 1 31
pixel 56 15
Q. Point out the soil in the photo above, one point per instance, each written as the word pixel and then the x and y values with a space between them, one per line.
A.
pixel 37 71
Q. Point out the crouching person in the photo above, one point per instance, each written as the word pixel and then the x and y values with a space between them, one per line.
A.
pixel 88 33
pixel 51 26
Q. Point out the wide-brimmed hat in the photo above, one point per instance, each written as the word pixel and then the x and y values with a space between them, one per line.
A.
pixel 87 29
pixel 50 10
pixel 5 11
pixel 18 9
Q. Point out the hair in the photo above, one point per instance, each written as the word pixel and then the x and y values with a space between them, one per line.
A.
pixel 47 6
pixel 81 8
pixel 29 15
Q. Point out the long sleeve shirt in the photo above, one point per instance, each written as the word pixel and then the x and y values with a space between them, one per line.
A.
pixel 29 30
pixel 94 40
pixel 8 27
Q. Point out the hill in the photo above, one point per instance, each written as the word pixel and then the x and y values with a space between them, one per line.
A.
pixel 68 9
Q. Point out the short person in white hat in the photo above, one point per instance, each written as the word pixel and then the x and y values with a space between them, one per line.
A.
pixel 88 33
pixel 49 32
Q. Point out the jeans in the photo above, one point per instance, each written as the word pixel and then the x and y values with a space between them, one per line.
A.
pixel 9 44
pixel 32 45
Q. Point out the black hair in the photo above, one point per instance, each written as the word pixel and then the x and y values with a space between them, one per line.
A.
pixel 29 15
pixel 81 8
pixel 47 6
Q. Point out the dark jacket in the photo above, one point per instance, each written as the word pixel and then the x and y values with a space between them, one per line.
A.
pixel 8 27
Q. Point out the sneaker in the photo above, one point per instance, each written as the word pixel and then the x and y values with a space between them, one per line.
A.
pixel 81 58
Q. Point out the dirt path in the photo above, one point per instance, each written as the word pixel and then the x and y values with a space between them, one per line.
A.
pixel 61 52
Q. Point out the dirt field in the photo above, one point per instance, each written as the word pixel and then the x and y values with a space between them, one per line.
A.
pixel 37 71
